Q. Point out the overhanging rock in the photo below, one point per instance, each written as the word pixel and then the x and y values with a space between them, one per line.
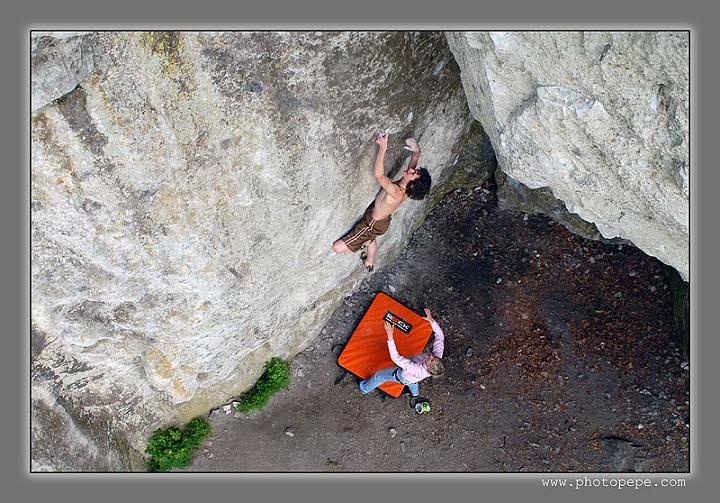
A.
pixel 599 118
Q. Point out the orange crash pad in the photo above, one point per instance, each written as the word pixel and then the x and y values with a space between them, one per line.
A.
pixel 367 352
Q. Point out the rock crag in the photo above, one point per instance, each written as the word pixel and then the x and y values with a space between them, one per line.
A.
pixel 600 119
pixel 186 189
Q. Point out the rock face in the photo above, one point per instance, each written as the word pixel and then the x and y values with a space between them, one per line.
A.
pixel 185 196
pixel 59 62
pixel 515 195
pixel 600 119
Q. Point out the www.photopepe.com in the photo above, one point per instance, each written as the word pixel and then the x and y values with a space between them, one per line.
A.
pixel 617 483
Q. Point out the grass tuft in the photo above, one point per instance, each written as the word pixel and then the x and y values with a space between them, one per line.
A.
pixel 173 447
pixel 275 378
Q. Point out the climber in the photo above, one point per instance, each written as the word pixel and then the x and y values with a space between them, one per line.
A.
pixel 409 371
pixel 414 184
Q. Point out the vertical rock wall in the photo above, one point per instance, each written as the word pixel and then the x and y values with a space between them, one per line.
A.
pixel 185 196
pixel 598 118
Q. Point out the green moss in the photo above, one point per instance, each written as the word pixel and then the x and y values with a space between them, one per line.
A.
pixel 475 164
pixel 173 448
pixel 275 378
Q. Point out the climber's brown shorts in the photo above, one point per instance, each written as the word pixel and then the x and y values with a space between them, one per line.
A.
pixel 366 230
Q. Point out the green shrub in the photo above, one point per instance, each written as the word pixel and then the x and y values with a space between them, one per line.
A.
pixel 275 378
pixel 172 447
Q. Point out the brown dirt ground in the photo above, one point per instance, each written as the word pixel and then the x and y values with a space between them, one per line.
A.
pixel 560 357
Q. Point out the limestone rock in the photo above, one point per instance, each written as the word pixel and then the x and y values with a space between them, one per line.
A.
pixel 599 118
pixel 515 195
pixel 59 62
pixel 185 197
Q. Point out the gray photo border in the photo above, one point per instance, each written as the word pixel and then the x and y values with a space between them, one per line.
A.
pixel 19 19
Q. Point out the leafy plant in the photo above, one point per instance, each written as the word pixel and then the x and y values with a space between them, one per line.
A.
pixel 275 378
pixel 173 448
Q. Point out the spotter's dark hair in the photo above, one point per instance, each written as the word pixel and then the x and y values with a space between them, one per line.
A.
pixel 417 189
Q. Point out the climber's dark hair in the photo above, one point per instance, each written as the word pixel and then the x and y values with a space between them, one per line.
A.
pixel 419 188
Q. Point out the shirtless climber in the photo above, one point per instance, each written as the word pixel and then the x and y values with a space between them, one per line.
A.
pixel 414 184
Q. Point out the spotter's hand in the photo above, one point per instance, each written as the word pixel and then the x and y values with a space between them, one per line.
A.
pixel 389 330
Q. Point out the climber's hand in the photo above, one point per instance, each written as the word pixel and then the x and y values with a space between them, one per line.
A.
pixel 411 144
pixel 382 139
